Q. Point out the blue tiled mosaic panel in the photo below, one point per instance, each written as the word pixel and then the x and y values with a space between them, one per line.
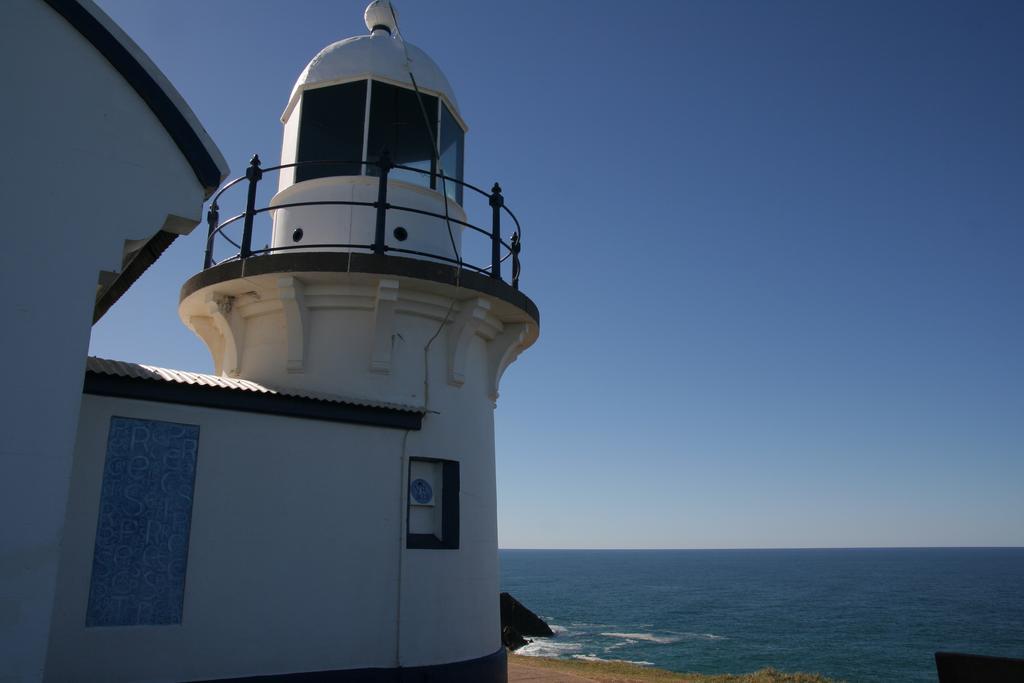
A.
pixel 138 566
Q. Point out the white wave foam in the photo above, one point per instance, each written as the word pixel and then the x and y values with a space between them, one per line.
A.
pixel 668 639
pixel 648 637
pixel 595 658
pixel 672 637
pixel 556 629
pixel 546 647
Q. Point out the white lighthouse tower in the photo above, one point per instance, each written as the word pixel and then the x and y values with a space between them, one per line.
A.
pixel 353 286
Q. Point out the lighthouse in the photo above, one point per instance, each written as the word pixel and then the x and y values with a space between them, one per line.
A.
pixel 365 281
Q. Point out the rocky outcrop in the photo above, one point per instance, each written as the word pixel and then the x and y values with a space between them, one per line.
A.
pixel 512 639
pixel 517 622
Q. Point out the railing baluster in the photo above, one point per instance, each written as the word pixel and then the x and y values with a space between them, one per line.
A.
pixel 496 201
pixel 516 246
pixel 212 218
pixel 384 163
pixel 253 174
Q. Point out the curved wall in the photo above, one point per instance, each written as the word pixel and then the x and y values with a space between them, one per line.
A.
pixel 395 340
pixel 344 224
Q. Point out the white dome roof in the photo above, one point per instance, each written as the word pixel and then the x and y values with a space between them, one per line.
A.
pixel 378 55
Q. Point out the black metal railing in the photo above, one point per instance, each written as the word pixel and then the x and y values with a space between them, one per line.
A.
pixel 500 250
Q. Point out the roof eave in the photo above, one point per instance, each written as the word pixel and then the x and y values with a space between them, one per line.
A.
pixel 139 71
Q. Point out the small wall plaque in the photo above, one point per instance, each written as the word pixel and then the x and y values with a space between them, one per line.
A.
pixel 421 491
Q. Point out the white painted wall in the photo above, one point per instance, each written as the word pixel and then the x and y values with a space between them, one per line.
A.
pixel 382 338
pixel 449 598
pixel 297 529
pixel 341 224
pixel 293 555
pixel 86 166
pixel 356 334
pixel 363 335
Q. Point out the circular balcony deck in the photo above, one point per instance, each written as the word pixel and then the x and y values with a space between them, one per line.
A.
pixel 446 279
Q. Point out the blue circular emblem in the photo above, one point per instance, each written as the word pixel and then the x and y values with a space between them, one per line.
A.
pixel 421 491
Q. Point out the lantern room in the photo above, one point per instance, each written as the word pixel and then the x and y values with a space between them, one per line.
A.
pixel 372 162
pixel 364 106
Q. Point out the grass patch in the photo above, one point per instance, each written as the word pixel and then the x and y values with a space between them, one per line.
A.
pixel 622 672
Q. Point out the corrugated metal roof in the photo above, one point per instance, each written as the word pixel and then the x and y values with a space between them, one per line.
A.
pixel 118 368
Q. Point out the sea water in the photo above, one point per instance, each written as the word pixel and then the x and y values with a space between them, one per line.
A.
pixel 851 614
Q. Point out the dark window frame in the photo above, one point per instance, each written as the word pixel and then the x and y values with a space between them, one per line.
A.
pixel 320 105
pixel 445 115
pixel 444 118
pixel 379 91
pixel 450 487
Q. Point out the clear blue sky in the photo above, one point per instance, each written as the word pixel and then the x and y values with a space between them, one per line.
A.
pixel 778 249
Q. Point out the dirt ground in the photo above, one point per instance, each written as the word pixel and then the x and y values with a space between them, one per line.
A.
pixel 522 673
pixel 544 670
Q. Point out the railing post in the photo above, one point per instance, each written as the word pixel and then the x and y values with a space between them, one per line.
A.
pixel 212 218
pixel 384 163
pixel 253 174
pixel 516 246
pixel 496 202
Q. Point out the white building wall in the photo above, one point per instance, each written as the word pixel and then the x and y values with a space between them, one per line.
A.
pixel 344 224
pixel 457 594
pixel 86 166
pixel 292 561
pixel 365 336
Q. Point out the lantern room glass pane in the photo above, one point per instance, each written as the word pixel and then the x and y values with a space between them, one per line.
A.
pixel 397 124
pixel 453 140
pixel 331 129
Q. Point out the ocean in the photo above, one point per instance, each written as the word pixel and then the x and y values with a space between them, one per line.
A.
pixel 851 614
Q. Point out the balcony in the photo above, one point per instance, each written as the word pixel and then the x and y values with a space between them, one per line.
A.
pixel 488 254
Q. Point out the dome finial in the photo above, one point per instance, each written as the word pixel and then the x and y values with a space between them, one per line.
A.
pixel 381 14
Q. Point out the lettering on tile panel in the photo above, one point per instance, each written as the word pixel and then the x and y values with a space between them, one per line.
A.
pixel 141 552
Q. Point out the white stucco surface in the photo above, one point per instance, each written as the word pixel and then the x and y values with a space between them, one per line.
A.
pixel 297 558
pixel 292 560
pixel 345 224
pixel 87 166
pixel 371 335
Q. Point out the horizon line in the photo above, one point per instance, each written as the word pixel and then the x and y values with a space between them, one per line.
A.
pixel 848 547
